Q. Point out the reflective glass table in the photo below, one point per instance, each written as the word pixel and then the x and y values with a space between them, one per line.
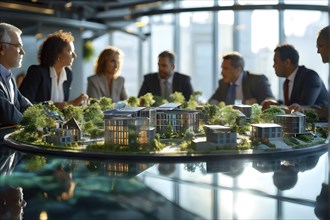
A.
pixel 64 187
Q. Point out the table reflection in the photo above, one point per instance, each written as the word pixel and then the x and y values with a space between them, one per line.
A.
pixel 66 188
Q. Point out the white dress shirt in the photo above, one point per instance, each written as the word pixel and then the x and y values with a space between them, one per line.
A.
pixel 57 93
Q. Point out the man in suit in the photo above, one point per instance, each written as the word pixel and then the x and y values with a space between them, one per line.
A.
pixel 12 102
pixel 322 210
pixel 304 86
pixel 238 85
pixel 166 81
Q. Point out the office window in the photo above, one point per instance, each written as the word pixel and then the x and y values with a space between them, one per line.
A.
pixel 196 50
pixel 162 32
pixel 129 45
pixel 300 28
pixel 257 2
pixel 307 2
pixel 256 38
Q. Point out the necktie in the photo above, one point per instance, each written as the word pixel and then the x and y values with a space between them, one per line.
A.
pixel 286 92
pixel 166 90
pixel 231 94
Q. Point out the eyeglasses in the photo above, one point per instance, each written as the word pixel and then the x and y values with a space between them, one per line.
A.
pixel 19 46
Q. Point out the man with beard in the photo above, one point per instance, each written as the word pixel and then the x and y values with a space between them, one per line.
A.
pixel 166 81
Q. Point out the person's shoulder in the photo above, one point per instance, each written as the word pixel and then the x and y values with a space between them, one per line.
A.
pixel 150 75
pixel 36 70
pixel 181 75
pixel 120 79
pixel 36 67
pixel 254 75
pixel 304 70
pixel 92 77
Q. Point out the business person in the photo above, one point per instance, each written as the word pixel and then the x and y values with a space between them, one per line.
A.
pixel 322 210
pixel 107 80
pixel 166 80
pixel 51 80
pixel 302 86
pixel 238 84
pixel 12 102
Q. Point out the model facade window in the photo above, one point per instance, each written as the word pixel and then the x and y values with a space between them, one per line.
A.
pixel 294 123
pixel 180 120
pixel 128 126
pixel 221 135
pixel 266 131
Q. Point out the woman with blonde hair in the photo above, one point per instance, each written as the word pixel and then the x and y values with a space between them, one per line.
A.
pixel 107 80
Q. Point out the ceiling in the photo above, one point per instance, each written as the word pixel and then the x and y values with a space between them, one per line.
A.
pixel 95 15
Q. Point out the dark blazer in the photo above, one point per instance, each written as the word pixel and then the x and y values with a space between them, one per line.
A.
pixel 11 114
pixel 181 83
pixel 253 87
pixel 37 85
pixel 308 89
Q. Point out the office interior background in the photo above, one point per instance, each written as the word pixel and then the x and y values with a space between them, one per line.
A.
pixel 198 31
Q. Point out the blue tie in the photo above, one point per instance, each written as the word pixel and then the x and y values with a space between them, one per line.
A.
pixel 231 94
pixel 166 90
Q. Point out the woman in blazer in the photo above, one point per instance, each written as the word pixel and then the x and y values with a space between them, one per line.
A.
pixel 106 81
pixel 51 80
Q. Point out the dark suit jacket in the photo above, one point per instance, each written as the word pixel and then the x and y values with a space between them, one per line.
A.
pixel 181 83
pixel 308 89
pixel 11 114
pixel 253 87
pixel 37 85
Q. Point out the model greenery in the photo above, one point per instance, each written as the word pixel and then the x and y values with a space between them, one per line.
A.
pixel 90 118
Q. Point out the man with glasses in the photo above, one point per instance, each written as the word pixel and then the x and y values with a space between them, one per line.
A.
pixel 12 102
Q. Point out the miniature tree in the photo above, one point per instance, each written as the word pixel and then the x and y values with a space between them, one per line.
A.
pixel 177 97
pixel 71 111
pixel 189 135
pixel 93 113
pixel 31 122
pixel 106 103
pixel 91 101
pixel 269 115
pixel 133 101
pixel 169 131
pixel 147 100
pixel 210 112
pixel 256 113
pixel 193 101
pixel 88 127
pixel 311 118
pixel 159 101
pixel 51 107
pixel 227 116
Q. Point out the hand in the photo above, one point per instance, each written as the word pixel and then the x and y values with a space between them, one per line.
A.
pixel 295 108
pixel 79 100
pixel 250 101
pixel 267 103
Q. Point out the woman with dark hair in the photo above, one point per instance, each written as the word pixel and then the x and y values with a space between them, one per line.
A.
pixel 51 80
pixel 107 81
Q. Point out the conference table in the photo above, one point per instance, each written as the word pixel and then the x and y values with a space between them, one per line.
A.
pixel 64 186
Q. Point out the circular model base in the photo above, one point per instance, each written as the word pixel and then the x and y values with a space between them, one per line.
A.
pixel 168 154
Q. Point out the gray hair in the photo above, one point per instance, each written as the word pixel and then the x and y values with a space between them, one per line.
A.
pixel 235 58
pixel 6 29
